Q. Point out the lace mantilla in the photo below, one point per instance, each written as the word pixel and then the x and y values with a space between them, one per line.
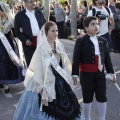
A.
pixel 6 27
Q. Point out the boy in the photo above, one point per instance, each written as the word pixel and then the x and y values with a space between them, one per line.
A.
pixel 91 55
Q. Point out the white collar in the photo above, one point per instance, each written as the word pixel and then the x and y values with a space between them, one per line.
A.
pixel 94 37
pixel 27 11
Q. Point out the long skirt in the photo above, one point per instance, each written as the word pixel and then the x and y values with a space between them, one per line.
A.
pixel 64 107
pixel 9 72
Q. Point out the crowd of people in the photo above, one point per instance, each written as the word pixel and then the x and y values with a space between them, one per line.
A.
pixel 45 67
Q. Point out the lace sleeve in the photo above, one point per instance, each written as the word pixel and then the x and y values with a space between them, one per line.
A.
pixel 38 87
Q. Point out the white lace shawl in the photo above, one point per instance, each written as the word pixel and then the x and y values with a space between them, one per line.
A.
pixel 6 27
pixel 40 61
pixel 6 9
pixel 36 71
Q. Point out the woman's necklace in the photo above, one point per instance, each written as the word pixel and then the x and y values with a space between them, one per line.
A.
pixel 54 51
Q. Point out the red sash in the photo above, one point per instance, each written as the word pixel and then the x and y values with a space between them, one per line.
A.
pixel 34 41
pixel 89 67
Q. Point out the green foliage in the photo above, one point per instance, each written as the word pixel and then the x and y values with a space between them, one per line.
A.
pixel 62 2
pixel 4 1
pixel 40 1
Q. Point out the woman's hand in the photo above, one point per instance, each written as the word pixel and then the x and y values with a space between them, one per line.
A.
pixel 28 42
pixel 21 30
pixel 41 92
pixel 75 80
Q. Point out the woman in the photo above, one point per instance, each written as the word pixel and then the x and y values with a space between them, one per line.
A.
pixel 49 86
pixel 83 14
pixel 52 14
pixel 9 72
pixel 84 8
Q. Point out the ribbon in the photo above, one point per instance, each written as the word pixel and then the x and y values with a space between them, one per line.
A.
pixel 10 51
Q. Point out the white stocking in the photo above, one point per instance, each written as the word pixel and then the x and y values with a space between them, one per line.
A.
pixel 101 110
pixel 87 110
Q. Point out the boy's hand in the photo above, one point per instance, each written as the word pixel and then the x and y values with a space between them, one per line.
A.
pixel 21 30
pixel 28 42
pixel 114 79
pixel 111 77
pixel 75 80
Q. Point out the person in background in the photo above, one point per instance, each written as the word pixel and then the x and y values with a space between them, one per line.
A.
pixel 66 3
pixel 10 73
pixel 27 26
pixel 39 6
pixel 60 19
pixel 112 5
pixel 83 14
pixel 116 31
pixel 52 14
pixel 85 8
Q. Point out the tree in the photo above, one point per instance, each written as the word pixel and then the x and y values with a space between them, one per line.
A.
pixel 46 10
pixel 73 17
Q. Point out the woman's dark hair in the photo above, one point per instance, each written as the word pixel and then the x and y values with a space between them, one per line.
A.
pixel 94 2
pixel 1 8
pixel 85 3
pixel 106 2
pixel 66 3
pixel 69 7
pixel 117 5
pixel 48 25
pixel 87 20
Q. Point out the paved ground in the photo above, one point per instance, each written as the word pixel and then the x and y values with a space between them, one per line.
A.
pixel 8 102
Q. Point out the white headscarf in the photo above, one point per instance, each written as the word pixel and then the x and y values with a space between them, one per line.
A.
pixel 42 40
pixel 6 9
pixel 46 49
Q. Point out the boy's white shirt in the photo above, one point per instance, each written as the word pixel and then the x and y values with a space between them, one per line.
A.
pixel 94 40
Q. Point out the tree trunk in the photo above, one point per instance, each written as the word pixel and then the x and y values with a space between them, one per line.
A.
pixel 46 9
pixel 69 1
pixel 73 17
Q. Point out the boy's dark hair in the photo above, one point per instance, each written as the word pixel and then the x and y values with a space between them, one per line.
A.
pixel 87 20
pixel 117 5
pixel 94 2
